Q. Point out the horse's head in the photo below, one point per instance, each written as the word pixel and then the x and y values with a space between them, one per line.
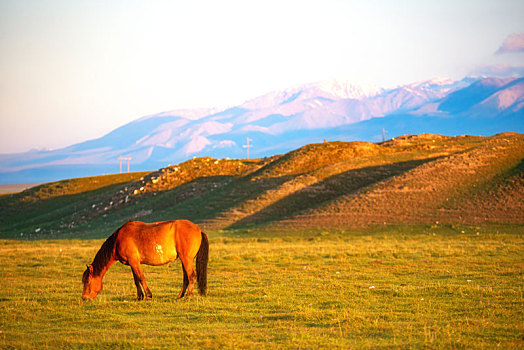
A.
pixel 92 284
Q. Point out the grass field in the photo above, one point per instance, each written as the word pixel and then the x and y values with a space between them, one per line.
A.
pixel 334 245
pixel 419 286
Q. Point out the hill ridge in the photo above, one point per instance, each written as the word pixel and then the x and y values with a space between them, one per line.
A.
pixel 409 179
pixel 438 181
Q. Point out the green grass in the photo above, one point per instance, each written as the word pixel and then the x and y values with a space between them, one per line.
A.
pixel 415 285
pixel 58 209
pixel 406 287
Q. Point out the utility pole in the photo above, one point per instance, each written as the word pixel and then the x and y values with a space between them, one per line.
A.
pixel 120 159
pixel 247 145
pixel 128 160
pixel 383 135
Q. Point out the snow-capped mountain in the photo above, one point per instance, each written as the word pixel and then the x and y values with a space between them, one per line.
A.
pixel 280 121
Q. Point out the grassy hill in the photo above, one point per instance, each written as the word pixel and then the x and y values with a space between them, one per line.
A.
pixel 414 179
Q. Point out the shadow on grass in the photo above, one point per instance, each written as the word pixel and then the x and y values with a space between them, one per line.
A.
pixel 200 200
pixel 327 190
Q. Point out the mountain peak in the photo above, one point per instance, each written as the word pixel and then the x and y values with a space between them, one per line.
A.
pixel 345 89
pixel 192 114
pixel 332 89
pixel 493 82
pixel 286 119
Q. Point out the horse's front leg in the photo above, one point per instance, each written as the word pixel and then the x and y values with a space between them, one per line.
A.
pixel 138 274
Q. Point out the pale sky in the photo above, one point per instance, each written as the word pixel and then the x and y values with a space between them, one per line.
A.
pixel 75 70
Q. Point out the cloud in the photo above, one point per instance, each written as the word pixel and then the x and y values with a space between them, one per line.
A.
pixel 225 144
pixel 513 43
pixel 499 70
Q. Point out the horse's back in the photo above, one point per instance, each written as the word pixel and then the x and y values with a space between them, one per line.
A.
pixel 150 243
pixel 188 237
pixel 158 243
pixel 187 226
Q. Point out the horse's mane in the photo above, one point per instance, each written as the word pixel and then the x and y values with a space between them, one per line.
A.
pixel 105 253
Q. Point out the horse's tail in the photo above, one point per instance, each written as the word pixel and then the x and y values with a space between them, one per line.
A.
pixel 202 258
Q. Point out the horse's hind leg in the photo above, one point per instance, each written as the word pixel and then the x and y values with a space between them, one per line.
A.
pixel 139 293
pixel 139 274
pixel 185 283
pixel 191 274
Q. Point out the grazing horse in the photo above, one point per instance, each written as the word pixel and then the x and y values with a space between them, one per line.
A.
pixel 155 244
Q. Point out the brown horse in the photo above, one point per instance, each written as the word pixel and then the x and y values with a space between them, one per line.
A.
pixel 155 244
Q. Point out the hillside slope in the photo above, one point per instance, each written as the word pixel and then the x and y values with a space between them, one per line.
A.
pixel 411 179
pixel 475 185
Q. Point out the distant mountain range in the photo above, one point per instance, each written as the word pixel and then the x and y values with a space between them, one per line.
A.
pixel 284 120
